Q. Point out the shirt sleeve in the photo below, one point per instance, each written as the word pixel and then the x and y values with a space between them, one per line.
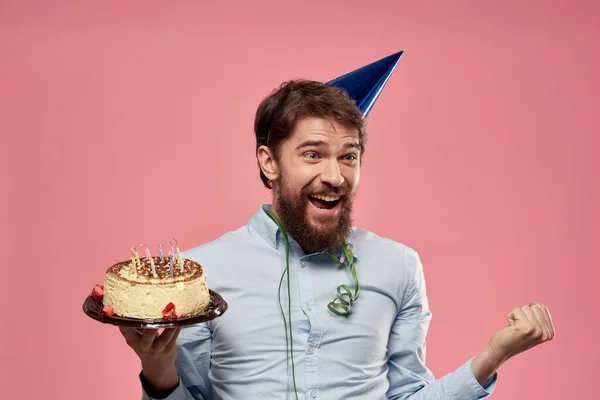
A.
pixel 408 375
pixel 194 345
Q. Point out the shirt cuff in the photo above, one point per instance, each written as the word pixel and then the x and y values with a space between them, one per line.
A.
pixel 148 393
pixel 469 387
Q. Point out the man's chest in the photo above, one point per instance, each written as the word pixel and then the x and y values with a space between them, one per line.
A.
pixel 263 306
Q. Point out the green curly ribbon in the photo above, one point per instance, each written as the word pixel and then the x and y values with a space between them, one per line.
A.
pixel 342 304
pixel 286 271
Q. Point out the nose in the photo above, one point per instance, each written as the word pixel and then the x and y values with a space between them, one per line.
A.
pixel 332 174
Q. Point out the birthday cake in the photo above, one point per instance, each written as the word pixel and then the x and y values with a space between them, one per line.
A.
pixel 154 287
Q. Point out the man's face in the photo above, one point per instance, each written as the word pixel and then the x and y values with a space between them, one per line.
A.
pixel 319 169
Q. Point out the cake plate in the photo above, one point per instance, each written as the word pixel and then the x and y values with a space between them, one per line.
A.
pixel 216 308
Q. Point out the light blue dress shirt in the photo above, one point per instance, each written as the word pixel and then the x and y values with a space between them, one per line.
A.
pixel 377 352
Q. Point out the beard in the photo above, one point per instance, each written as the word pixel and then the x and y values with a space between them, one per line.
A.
pixel 292 212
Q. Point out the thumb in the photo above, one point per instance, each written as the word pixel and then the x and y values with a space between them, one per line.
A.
pixel 511 318
pixel 515 316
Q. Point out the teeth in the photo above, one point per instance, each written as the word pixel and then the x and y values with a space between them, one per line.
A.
pixel 325 198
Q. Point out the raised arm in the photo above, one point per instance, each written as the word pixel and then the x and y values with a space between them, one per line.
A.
pixel 408 375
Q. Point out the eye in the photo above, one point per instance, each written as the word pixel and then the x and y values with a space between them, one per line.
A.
pixel 311 155
pixel 350 157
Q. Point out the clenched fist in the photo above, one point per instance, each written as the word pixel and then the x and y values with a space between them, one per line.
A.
pixel 528 326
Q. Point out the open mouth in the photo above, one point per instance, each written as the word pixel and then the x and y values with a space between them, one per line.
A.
pixel 323 202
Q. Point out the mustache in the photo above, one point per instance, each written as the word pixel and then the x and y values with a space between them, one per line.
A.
pixel 325 189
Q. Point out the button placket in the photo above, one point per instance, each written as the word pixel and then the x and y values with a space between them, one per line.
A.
pixel 315 333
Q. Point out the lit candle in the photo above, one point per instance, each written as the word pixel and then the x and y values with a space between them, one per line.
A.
pixel 179 257
pixel 149 258
pixel 160 252
pixel 171 260
pixel 135 259
pixel 180 260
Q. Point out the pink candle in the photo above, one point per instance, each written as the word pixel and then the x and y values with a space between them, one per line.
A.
pixel 149 257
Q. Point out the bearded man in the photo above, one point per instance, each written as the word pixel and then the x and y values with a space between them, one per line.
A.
pixel 288 334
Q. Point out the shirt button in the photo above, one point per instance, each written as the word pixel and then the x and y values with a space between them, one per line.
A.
pixel 311 350
pixel 313 394
pixel 303 263
pixel 308 307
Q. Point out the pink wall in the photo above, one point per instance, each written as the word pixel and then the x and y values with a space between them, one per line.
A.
pixel 482 156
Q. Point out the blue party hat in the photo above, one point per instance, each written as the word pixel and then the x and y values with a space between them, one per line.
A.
pixel 366 83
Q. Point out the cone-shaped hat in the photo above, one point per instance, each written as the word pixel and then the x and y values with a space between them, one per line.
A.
pixel 365 84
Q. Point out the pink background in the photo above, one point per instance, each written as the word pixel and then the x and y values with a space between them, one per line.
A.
pixel 130 122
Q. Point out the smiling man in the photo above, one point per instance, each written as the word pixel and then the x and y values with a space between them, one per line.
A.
pixel 288 334
pixel 316 175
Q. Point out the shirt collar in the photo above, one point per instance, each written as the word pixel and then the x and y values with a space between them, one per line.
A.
pixel 270 232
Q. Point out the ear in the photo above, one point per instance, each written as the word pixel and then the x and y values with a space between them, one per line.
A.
pixel 267 163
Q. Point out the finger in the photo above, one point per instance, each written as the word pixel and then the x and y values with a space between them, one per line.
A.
pixel 552 329
pixel 548 320
pixel 538 311
pixel 535 328
pixel 531 316
pixel 173 342
pixel 168 336
pixel 148 338
pixel 130 335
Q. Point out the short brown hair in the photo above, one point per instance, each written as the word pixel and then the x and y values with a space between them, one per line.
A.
pixel 277 114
